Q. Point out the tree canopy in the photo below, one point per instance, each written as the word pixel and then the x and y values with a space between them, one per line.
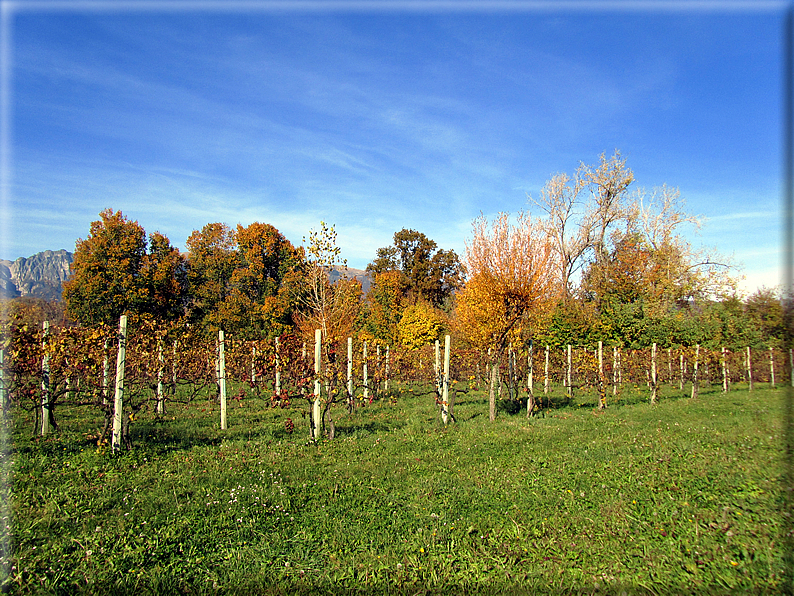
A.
pixel 427 273
pixel 114 273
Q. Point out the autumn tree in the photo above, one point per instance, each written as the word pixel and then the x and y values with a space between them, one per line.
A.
pixel 332 308
pixel 113 273
pixel 581 210
pixel 428 273
pixel 212 260
pixel 244 280
pixel 383 306
pixel 420 324
pixel 511 281
pixel 651 262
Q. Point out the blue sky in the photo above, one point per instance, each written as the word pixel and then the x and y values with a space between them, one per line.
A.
pixel 376 119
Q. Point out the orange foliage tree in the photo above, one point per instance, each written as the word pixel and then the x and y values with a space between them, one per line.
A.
pixel 512 280
pixel 114 273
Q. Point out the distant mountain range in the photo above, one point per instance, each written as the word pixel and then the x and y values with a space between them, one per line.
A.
pixel 40 276
pixel 43 274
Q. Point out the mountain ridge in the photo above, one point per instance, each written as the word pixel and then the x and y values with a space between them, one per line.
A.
pixel 42 275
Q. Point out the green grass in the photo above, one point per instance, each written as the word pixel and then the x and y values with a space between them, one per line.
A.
pixel 682 497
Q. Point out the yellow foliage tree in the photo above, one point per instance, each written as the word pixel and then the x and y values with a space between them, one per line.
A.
pixel 420 325
pixel 512 280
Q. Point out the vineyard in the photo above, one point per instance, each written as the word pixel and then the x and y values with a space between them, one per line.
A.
pixel 150 367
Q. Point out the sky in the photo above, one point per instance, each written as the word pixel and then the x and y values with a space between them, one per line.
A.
pixel 375 117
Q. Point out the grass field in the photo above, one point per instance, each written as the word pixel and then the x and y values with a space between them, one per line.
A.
pixel 681 497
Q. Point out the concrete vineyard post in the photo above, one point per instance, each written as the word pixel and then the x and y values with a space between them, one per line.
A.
pixel 568 382
pixel 772 367
pixel 681 368
pixel 350 372
pixel 118 400
pixel 670 366
pixel 222 376
pixel 653 373
pixel 445 405
pixel 278 369
pixel 727 370
pixel 749 362
pixel 316 409
pixel 437 367
pixel 614 370
pixel 377 363
pixel 695 380
pixel 160 367
pixel 791 365
pixel 365 373
pixel 173 365
pixel 602 389
pixel 530 381
pixel 105 372
pixel 45 382
pixel 386 373
pixel 253 364
pixel 546 375
pixel 724 372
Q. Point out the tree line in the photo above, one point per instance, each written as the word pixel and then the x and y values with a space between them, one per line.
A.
pixel 601 260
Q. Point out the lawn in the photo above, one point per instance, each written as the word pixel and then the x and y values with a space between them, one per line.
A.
pixel 680 497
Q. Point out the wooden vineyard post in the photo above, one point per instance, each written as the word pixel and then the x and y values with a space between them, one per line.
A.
pixel 749 362
pixel 653 373
pixel 45 382
pixel 546 376
pixel 350 374
pixel 365 373
pixel 724 371
pixel 118 400
pixel 530 381
pixel 772 367
pixel 602 395
pixel 568 377
pixel 316 408
pixel 253 365
pixel 160 367
pixel 695 387
pixel 278 369
pixel 222 376
pixel 446 407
